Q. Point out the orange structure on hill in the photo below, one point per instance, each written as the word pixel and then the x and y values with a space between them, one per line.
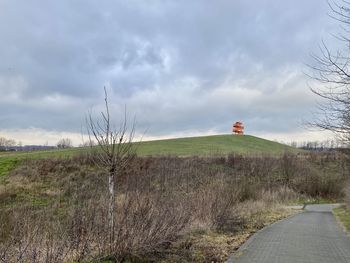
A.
pixel 238 128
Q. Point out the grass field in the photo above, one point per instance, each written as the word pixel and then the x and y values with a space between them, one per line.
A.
pixel 6 164
pixel 213 145
pixel 201 146
pixel 188 210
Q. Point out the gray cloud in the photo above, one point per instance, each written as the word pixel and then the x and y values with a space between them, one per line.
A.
pixel 178 65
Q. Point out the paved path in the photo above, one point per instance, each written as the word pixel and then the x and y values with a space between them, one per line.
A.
pixel 312 236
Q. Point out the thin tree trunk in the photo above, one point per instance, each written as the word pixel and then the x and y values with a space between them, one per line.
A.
pixel 111 210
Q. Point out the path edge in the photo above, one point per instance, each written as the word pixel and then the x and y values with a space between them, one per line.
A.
pixel 246 244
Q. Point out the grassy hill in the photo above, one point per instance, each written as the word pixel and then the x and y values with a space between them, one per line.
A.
pixel 201 146
pixel 211 145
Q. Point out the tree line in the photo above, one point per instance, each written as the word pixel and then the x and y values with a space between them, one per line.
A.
pixel 13 145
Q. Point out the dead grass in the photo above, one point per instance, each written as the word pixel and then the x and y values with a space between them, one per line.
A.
pixel 169 209
pixel 203 245
pixel 343 216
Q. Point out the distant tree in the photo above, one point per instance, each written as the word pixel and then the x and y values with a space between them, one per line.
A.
pixel 11 142
pixel 294 144
pixel 64 143
pixel 115 152
pixel 89 143
pixel 332 70
pixel 5 143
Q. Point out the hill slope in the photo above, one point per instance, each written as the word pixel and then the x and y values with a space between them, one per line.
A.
pixel 209 145
pixel 201 146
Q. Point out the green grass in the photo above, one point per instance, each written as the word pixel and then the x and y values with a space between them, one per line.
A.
pixel 39 154
pixel 343 215
pixel 6 165
pixel 201 146
pixel 211 145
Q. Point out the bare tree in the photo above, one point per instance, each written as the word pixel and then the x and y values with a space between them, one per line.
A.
pixel 332 70
pixel 5 143
pixel 115 152
pixel 88 144
pixel 64 143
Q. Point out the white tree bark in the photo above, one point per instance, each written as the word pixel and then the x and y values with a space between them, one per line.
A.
pixel 111 210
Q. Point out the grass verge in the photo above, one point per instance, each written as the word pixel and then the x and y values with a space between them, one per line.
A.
pixel 304 200
pixel 343 215
pixel 217 246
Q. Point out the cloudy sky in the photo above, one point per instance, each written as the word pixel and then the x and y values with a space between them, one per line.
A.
pixel 182 67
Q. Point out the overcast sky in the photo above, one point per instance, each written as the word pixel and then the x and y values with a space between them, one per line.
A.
pixel 181 67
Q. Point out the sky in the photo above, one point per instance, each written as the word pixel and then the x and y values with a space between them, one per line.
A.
pixel 181 68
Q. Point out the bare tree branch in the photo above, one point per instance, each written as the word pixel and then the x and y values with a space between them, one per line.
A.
pixel 332 69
